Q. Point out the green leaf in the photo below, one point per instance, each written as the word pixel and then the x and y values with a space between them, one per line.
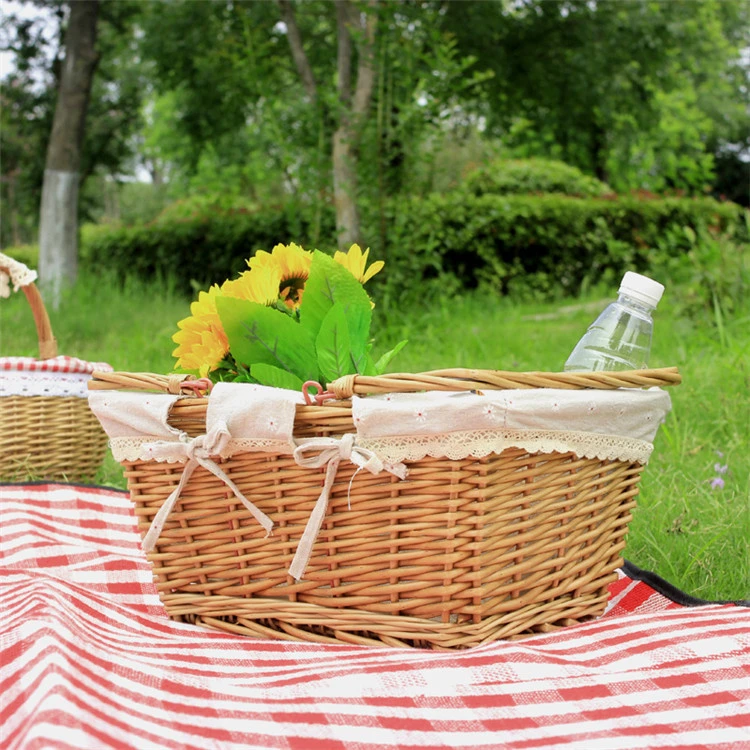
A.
pixel 385 360
pixel 265 335
pixel 333 345
pixel 330 283
pixel 276 377
pixel 367 365
pixel 362 361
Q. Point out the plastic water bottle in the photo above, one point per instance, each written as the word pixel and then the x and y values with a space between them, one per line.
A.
pixel 620 338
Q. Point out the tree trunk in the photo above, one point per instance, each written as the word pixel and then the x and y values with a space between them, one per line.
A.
pixel 298 51
pixel 58 220
pixel 345 187
pixel 353 110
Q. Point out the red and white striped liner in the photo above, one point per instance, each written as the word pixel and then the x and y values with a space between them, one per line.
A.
pixel 60 364
pixel 89 660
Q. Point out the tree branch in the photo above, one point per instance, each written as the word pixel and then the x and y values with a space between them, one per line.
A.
pixel 366 64
pixel 344 59
pixel 298 51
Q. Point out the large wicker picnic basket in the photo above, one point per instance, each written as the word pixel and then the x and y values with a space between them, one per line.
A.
pixel 47 430
pixel 459 552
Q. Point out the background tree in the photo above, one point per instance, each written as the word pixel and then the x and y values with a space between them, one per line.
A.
pixel 242 103
pixel 58 220
pixel 27 98
pixel 29 94
pixel 353 30
pixel 320 105
pixel 640 94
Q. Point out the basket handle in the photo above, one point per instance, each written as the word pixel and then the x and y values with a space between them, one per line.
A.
pixel 458 379
pixel 146 381
pixel 47 341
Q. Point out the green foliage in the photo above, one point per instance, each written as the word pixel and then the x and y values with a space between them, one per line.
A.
pixel 327 338
pixel 204 204
pixel 642 94
pixel 265 335
pixel 328 286
pixel 124 203
pixel 333 344
pixel 527 176
pixel 710 266
pixel 523 245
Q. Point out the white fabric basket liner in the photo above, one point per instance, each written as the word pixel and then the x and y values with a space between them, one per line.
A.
pixel 605 424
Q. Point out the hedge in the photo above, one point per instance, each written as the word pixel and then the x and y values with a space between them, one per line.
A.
pixel 198 250
pixel 531 176
pixel 545 244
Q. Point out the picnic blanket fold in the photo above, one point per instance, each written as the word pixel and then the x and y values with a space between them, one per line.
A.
pixel 88 659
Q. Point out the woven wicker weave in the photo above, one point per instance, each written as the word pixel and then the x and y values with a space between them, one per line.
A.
pixel 460 553
pixel 56 437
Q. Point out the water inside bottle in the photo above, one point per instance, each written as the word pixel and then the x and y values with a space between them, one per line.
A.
pixel 619 339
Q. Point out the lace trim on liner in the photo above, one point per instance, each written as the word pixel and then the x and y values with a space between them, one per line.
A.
pixel 480 443
pixel 135 448
pixel 65 384
pixel 453 445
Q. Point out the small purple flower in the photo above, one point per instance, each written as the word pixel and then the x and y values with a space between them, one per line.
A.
pixel 717 483
pixel 719 469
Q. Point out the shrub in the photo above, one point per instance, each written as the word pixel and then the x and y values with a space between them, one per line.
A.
pixel 26 254
pixel 196 251
pixel 529 176
pixel 201 205
pixel 536 245
pixel 709 267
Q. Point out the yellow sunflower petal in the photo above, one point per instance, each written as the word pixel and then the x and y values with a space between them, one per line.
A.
pixel 372 270
pixel 356 263
pixel 258 285
pixel 200 338
pixel 293 266
pixel 291 260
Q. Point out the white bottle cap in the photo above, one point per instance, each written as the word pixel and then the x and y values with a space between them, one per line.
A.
pixel 641 288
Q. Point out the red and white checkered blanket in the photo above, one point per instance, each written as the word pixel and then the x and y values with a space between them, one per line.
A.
pixel 89 660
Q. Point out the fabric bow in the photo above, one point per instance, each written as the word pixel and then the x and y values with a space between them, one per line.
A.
pixel 15 272
pixel 329 452
pixel 198 452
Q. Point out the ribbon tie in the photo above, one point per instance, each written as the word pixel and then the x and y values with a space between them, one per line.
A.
pixel 329 452
pixel 197 451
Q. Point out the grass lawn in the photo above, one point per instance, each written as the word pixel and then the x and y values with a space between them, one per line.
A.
pixel 686 528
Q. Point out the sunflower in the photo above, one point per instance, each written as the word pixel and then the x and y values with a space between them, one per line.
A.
pixel 259 285
pixel 201 341
pixel 293 265
pixel 356 262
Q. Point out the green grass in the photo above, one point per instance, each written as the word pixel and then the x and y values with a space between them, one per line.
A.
pixel 694 535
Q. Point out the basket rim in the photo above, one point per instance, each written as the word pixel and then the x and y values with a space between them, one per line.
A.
pixel 452 379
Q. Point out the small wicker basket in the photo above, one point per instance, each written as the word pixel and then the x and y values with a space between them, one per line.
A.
pixel 55 437
pixel 460 553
